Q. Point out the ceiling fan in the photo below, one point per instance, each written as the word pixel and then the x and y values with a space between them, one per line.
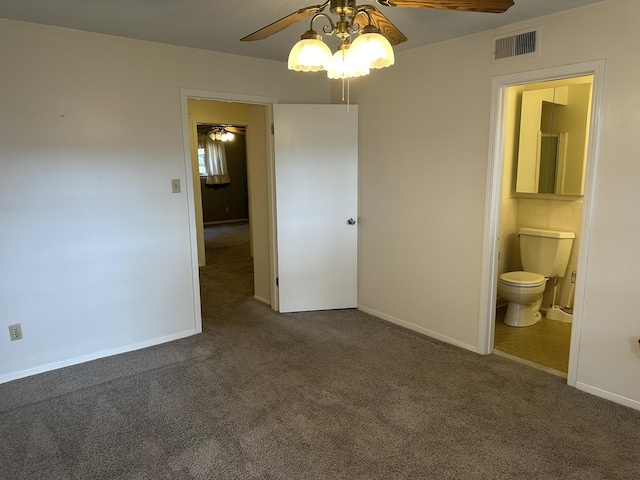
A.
pixel 220 132
pixel 311 54
pixel 348 8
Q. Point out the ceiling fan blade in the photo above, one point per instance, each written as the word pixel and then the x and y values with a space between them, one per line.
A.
pixel 378 20
pixel 284 22
pixel 235 130
pixel 488 6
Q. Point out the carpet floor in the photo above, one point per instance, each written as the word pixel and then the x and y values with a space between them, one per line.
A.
pixel 315 395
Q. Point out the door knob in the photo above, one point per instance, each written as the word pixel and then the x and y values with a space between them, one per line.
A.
pixel 351 221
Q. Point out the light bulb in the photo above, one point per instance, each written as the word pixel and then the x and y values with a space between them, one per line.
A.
pixel 310 54
pixel 345 65
pixel 374 47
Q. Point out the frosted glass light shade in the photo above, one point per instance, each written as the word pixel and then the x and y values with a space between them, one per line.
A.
pixel 375 48
pixel 309 55
pixel 345 65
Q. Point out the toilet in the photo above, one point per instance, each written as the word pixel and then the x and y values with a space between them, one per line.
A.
pixel 544 255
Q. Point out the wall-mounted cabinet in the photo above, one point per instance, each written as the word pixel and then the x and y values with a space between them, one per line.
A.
pixel 554 129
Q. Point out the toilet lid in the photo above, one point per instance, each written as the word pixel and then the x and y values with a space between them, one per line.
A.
pixel 523 279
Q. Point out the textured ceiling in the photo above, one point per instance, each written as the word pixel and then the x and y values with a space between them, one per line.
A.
pixel 218 24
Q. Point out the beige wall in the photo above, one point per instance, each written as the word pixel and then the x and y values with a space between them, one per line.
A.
pixel 258 142
pixel 422 193
pixel 508 236
pixel 96 252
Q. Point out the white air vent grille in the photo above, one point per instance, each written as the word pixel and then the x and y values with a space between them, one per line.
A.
pixel 516 44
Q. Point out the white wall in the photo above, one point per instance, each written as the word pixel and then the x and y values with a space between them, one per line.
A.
pixel 95 250
pixel 424 139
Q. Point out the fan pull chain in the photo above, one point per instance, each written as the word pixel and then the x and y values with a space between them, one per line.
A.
pixel 348 82
pixel 348 93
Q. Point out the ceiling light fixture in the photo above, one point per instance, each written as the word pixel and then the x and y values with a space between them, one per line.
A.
pixel 220 133
pixel 369 50
pixel 376 33
pixel 345 65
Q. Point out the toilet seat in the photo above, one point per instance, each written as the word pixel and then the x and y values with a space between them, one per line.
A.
pixel 523 279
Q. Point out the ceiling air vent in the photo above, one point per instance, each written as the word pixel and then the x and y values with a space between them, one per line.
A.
pixel 516 44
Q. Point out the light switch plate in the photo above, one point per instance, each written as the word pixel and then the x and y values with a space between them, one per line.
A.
pixel 175 185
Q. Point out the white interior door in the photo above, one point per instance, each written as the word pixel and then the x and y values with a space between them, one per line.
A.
pixel 316 170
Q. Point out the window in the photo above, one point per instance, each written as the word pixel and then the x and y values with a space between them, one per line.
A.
pixel 201 165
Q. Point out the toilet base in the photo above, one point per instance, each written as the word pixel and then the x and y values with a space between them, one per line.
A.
pixel 521 315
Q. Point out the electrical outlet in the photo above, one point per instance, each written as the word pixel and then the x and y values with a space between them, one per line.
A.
pixel 15 331
pixel 175 185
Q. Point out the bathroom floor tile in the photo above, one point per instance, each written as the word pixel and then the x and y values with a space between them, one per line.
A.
pixel 546 343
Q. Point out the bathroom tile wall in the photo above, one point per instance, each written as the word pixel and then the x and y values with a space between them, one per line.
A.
pixel 563 215
pixel 508 235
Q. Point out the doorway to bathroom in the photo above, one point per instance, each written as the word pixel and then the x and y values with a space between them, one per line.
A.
pixel 545 151
pixel 530 190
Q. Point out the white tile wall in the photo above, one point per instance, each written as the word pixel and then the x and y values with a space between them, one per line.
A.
pixel 508 234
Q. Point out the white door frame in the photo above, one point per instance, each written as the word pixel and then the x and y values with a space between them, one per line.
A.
pixel 488 288
pixel 185 94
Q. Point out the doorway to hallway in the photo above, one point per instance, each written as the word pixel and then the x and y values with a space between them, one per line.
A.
pixel 227 279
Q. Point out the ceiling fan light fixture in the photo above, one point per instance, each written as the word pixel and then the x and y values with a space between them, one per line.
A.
pixel 220 133
pixel 374 47
pixel 310 54
pixel 345 65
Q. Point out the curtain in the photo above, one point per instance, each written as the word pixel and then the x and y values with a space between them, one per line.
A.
pixel 215 161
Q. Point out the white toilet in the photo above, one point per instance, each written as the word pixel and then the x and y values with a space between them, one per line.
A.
pixel 544 254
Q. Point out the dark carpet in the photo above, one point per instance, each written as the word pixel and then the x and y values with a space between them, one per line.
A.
pixel 317 395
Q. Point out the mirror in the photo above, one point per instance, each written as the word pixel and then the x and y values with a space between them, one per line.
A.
pixel 554 130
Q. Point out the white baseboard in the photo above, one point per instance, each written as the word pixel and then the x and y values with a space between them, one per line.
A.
pixel 263 300
pixel 627 402
pixel 417 328
pixel 95 356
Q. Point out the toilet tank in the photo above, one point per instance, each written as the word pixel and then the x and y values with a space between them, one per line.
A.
pixel 545 251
